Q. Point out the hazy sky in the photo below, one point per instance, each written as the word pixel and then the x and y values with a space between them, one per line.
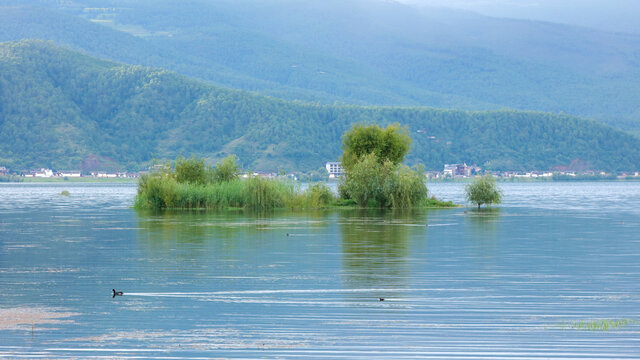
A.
pixel 612 15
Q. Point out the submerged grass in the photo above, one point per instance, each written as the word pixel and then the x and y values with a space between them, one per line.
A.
pixel 432 202
pixel 601 324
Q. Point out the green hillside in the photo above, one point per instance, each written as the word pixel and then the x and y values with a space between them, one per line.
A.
pixel 59 108
pixel 355 51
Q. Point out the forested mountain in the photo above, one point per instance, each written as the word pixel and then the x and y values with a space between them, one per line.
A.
pixel 59 108
pixel 354 51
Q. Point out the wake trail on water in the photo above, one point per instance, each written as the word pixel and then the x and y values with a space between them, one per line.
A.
pixel 274 291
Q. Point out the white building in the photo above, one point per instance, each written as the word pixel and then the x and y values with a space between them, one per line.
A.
pixel 43 173
pixel 101 174
pixel 334 169
pixel 70 174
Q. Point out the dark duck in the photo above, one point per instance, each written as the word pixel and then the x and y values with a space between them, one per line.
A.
pixel 117 293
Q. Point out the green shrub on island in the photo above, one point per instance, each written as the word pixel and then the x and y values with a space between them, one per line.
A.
pixel 408 187
pixel 372 183
pixel 367 180
pixel 65 193
pixel 483 190
pixel 225 170
pixel 374 173
pixel 192 171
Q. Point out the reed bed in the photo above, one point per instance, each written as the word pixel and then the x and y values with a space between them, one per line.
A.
pixel 252 193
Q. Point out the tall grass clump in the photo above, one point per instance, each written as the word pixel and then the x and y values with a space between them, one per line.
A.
pixel 261 193
pixel 228 194
pixel 318 196
pixel 189 184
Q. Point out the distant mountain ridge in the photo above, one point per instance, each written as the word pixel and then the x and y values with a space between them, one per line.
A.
pixel 59 108
pixel 355 51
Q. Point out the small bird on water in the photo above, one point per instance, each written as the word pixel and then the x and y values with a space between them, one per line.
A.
pixel 116 293
pixel 380 299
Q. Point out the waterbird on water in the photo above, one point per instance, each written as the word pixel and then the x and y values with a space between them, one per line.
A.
pixel 116 293
pixel 380 299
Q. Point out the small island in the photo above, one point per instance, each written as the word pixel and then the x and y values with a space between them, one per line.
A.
pixel 374 177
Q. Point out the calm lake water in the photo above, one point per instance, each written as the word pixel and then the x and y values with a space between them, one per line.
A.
pixel 513 283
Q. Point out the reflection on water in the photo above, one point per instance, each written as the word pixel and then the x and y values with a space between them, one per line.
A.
pixel 498 283
pixel 375 248
pixel 482 226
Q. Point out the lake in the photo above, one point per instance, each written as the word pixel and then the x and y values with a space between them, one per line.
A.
pixel 524 281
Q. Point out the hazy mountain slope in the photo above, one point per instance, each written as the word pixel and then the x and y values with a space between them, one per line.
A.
pixel 374 52
pixel 57 107
pixel 233 62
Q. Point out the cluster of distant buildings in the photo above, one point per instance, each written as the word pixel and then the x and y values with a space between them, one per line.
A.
pixel 462 171
pixel 450 170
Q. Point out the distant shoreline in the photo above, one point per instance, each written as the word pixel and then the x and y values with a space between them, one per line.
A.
pixel 535 180
pixel 22 180
pixel 432 181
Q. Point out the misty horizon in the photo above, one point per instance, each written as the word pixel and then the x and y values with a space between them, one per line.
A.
pixel 611 16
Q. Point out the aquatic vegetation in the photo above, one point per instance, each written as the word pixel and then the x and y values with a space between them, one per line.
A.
pixel 433 202
pixel 24 318
pixel 190 184
pixel 65 193
pixel 374 178
pixel 601 324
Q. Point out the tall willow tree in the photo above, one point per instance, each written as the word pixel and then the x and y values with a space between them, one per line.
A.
pixel 388 144
pixel 483 190
pixel 374 174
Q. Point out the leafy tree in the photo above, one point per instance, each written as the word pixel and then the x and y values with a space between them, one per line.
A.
pixel 388 144
pixel 386 184
pixel 190 171
pixel 483 190
pixel 368 180
pixel 408 187
pixel 226 170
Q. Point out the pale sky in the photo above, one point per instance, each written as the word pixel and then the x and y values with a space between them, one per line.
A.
pixel 611 15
